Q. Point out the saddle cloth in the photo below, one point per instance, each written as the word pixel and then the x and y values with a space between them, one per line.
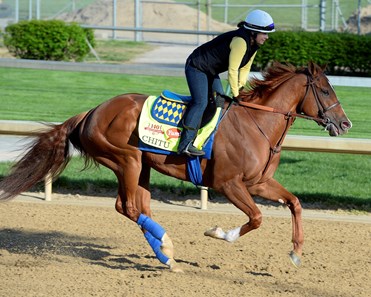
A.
pixel 160 126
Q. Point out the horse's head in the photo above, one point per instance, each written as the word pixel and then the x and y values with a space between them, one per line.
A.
pixel 321 102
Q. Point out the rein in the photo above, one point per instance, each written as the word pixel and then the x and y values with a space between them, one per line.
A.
pixel 275 110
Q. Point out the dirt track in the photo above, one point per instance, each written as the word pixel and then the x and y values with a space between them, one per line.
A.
pixel 58 249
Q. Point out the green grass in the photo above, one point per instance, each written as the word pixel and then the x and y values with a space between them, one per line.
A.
pixel 116 51
pixel 334 180
pixel 54 96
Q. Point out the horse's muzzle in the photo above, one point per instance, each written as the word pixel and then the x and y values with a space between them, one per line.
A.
pixel 334 130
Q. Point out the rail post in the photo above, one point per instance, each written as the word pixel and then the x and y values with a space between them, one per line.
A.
pixel 204 194
pixel 48 187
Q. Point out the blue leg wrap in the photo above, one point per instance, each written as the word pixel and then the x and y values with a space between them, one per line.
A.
pixel 151 226
pixel 153 235
pixel 156 247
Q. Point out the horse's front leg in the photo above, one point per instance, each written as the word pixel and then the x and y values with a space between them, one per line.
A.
pixel 273 190
pixel 235 190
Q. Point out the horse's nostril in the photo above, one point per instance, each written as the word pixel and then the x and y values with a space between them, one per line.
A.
pixel 346 125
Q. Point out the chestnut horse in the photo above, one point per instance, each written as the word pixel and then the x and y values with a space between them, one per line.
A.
pixel 246 152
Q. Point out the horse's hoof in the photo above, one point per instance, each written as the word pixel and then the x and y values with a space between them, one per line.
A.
pixel 175 267
pixel 167 247
pixel 295 259
pixel 215 232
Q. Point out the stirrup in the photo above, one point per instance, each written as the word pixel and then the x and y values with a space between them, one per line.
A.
pixel 192 151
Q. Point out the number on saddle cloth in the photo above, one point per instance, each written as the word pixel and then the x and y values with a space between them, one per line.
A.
pixel 154 236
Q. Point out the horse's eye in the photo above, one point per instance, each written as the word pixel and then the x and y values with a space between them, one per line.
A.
pixel 325 92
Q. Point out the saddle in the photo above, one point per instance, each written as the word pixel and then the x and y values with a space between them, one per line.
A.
pixel 160 124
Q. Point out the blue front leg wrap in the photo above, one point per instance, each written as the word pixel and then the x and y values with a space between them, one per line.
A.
pixel 156 247
pixel 151 226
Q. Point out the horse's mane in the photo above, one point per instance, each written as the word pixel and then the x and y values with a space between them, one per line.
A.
pixel 274 76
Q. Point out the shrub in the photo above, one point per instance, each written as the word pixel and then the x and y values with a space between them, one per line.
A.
pixel 48 40
pixel 344 53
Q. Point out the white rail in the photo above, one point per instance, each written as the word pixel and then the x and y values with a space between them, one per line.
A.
pixel 292 142
pixel 327 144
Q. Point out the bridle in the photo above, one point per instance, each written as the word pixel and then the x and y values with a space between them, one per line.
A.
pixel 321 119
pixel 311 85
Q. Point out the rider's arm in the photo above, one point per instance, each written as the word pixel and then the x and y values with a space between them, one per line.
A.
pixel 238 48
pixel 244 71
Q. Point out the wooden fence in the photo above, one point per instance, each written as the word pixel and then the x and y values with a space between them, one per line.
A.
pixel 292 143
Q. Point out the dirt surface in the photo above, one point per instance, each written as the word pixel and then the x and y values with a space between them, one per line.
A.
pixel 168 15
pixel 79 246
pixel 365 24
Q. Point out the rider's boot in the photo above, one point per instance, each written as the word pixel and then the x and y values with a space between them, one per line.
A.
pixel 186 143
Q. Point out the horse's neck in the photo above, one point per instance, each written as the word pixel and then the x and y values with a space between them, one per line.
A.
pixel 285 98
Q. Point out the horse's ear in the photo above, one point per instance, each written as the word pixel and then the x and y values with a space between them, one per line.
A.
pixel 314 69
pixel 311 68
pixel 323 66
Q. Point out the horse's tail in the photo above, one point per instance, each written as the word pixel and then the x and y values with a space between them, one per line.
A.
pixel 47 154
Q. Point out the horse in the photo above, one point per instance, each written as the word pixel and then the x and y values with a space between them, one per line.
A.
pixel 246 152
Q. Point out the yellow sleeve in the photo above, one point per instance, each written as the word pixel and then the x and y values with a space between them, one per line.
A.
pixel 238 48
pixel 244 72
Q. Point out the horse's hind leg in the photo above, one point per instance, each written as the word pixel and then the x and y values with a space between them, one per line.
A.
pixel 156 236
pixel 133 201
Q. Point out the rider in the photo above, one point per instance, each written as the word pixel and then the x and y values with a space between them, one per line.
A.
pixel 233 51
